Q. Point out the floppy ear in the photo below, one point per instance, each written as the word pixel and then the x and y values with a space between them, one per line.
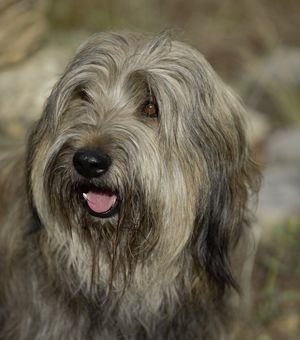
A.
pixel 218 230
pixel 232 177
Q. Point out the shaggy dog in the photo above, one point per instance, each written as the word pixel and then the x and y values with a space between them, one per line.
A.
pixel 120 219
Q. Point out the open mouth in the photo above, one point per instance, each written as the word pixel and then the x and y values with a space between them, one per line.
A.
pixel 100 202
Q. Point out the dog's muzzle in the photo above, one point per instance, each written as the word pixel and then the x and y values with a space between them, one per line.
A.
pixel 92 164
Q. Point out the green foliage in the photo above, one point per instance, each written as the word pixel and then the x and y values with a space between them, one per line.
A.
pixel 276 280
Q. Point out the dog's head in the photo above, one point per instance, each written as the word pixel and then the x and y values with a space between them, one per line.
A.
pixel 141 155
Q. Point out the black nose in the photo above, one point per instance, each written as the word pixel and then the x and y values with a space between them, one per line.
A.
pixel 91 163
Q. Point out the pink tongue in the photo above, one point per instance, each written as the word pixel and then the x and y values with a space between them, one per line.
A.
pixel 100 202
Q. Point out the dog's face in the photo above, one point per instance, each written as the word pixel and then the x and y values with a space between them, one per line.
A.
pixel 140 157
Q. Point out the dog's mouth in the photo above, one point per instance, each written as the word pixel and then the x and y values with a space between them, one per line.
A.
pixel 100 202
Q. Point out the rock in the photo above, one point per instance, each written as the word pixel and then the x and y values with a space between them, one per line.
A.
pixel 284 146
pixel 25 87
pixel 283 66
pixel 279 198
pixel 272 85
pixel 22 28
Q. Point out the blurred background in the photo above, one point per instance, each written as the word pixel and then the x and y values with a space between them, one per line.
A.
pixel 253 44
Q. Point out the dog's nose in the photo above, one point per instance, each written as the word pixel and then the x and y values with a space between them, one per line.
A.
pixel 91 163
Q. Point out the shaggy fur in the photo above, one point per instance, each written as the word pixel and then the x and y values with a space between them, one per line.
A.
pixel 160 268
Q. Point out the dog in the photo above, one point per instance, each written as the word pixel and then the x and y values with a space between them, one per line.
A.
pixel 122 216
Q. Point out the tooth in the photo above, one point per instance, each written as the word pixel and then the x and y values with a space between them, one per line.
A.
pixel 84 196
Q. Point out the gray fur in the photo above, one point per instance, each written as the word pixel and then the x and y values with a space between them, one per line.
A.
pixel 161 268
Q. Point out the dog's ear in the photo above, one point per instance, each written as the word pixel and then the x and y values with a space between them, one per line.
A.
pixel 217 230
pixel 232 177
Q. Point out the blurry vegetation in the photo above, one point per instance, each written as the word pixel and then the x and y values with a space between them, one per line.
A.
pixel 232 35
pixel 228 32
pixel 276 310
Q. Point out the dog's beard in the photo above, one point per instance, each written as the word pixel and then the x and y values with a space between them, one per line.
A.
pixel 113 245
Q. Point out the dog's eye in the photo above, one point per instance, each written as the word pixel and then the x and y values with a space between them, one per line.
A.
pixel 150 109
pixel 83 95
